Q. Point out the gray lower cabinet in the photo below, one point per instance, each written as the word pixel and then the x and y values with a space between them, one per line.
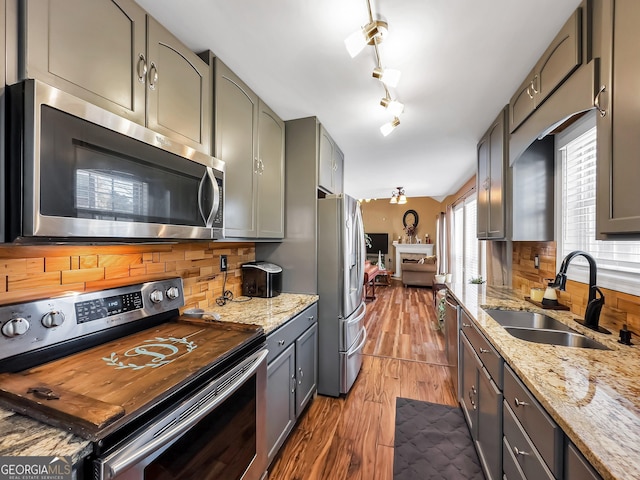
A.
pixel 114 55
pixel 249 138
pixel 292 373
pixel 618 196
pixel 481 398
pixel 543 438
pixel 514 436
pixel 576 467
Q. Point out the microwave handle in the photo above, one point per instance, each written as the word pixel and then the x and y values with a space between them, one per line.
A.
pixel 210 215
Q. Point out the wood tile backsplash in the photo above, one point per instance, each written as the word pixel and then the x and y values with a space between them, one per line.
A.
pixel 29 272
pixel 619 308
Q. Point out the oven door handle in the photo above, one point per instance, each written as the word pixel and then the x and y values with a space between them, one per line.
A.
pixel 181 419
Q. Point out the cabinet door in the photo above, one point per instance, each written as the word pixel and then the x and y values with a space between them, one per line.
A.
pixel 483 183
pixel 522 103
pixel 270 199
pixel 281 414
pixel 94 50
pixel 618 195
pixel 325 161
pixel 338 170
pixel 497 150
pixel 178 90
pixel 489 440
pixel 306 367
pixel 236 135
pixel 469 393
pixel 560 59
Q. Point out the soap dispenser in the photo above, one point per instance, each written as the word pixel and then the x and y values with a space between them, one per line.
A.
pixel 550 297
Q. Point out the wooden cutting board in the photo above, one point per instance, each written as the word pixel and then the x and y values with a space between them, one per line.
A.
pixel 106 386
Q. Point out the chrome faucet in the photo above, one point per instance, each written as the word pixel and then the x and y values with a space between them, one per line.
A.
pixel 594 304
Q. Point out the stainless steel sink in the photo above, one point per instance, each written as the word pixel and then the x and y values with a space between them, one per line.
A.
pixel 540 328
pixel 555 337
pixel 522 319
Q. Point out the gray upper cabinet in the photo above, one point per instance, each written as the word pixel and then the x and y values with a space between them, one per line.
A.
pixel 492 158
pixel 105 52
pixel 270 198
pixel 330 164
pixel 249 138
pixel 178 90
pixel 618 196
pixel 557 63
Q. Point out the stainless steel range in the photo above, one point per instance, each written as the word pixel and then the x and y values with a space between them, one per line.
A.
pixel 162 396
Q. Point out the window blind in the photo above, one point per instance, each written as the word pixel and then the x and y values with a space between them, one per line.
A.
pixel 578 153
pixel 466 251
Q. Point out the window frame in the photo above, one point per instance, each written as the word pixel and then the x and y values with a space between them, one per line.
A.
pixel 608 277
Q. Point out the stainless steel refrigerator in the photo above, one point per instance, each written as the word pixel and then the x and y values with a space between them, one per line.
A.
pixel 341 308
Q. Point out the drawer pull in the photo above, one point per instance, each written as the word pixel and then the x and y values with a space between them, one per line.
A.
pixel 281 342
pixel 310 318
pixel 465 325
pixel 519 452
pixel 484 350
pixel 519 403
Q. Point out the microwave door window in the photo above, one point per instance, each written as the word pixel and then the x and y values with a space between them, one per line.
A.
pixel 86 173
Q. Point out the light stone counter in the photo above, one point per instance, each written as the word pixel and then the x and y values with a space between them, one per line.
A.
pixel 594 395
pixel 20 435
pixel 269 313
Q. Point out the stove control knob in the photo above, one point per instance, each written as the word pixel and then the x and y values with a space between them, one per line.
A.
pixel 53 319
pixel 156 296
pixel 173 293
pixel 15 327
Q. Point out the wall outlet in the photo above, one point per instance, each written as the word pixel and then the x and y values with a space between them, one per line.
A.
pixel 536 261
pixel 223 263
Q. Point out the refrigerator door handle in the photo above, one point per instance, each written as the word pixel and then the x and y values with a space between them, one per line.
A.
pixel 358 316
pixel 358 347
pixel 361 255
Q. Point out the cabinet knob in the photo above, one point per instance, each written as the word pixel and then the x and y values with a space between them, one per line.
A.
pixel 484 350
pixel 310 318
pixel 519 403
pixel 142 68
pixel 596 101
pixel 153 76
pixel 519 452
pixel 465 325
pixel 281 342
pixel 533 85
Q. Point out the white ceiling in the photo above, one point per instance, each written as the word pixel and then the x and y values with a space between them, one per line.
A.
pixel 461 60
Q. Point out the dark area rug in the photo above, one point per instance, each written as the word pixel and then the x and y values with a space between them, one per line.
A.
pixel 433 442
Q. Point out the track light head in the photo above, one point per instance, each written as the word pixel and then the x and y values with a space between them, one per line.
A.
pixel 389 127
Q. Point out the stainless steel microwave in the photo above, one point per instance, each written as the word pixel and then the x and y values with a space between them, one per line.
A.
pixel 76 171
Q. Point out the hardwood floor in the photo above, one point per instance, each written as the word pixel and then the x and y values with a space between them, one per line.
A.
pixel 352 438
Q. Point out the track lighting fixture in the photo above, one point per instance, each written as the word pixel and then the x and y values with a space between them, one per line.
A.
pixel 398 196
pixel 388 76
pixel 394 107
pixel 389 127
pixel 372 34
pixel 374 31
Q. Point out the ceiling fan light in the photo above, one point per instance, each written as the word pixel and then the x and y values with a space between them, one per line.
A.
pixel 389 127
pixel 394 199
pixel 402 199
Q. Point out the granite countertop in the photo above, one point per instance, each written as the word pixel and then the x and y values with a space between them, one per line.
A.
pixel 269 313
pixel 23 436
pixel 594 395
